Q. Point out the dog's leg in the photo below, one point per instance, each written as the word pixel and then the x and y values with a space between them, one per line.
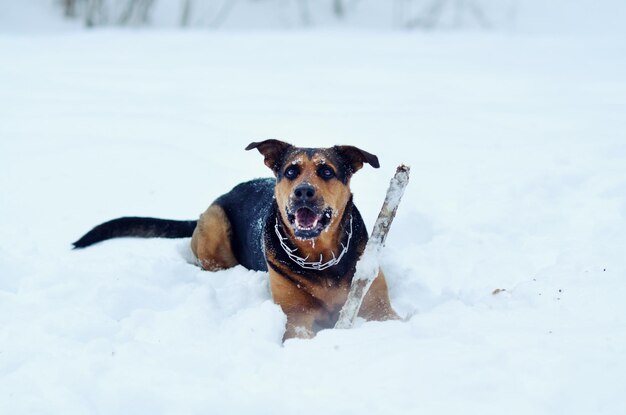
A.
pixel 299 306
pixel 210 242
pixel 376 304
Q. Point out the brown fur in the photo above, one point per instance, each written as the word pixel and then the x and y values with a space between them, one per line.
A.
pixel 309 305
pixel 210 241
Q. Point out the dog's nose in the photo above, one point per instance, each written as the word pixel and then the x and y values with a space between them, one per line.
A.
pixel 304 192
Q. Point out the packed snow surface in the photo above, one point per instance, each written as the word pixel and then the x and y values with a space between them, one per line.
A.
pixel 507 256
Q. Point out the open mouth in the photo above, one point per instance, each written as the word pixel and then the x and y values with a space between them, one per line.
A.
pixel 307 223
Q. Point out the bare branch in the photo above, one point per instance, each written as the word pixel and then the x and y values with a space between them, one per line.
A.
pixel 367 267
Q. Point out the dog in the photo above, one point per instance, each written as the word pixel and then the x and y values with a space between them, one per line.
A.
pixel 301 226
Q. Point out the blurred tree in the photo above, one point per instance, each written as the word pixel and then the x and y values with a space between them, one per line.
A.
pixel 185 15
pixel 102 12
pixel 95 13
pixel 136 11
pixel 69 7
pixel 436 13
pixel 339 8
pixel 408 14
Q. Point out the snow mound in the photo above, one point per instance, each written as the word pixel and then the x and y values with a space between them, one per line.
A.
pixel 506 257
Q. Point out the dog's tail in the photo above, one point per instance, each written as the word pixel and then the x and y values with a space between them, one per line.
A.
pixel 137 227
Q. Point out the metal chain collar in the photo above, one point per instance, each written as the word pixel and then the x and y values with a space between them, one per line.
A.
pixel 302 262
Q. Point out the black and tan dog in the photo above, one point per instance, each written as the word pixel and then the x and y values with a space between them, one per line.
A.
pixel 301 226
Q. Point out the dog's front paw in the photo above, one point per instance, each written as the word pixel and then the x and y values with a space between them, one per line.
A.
pixel 298 332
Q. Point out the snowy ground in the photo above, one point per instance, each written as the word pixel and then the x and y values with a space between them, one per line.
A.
pixel 518 154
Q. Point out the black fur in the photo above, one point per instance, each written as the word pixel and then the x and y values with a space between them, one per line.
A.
pixel 137 227
pixel 247 207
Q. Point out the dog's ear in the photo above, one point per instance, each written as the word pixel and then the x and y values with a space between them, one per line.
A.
pixel 273 151
pixel 353 158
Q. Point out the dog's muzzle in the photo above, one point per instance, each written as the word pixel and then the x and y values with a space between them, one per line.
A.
pixel 306 212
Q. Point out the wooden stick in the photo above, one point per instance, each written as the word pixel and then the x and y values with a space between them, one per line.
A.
pixel 367 267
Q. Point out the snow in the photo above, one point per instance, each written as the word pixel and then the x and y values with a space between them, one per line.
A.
pixel 518 182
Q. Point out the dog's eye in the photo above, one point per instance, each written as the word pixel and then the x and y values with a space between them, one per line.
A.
pixel 292 172
pixel 326 173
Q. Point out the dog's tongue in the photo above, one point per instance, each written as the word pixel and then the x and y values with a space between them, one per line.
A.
pixel 306 218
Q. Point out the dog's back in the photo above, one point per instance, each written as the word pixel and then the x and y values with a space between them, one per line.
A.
pixel 247 206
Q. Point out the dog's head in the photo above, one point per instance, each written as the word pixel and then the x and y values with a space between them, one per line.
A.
pixel 312 184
